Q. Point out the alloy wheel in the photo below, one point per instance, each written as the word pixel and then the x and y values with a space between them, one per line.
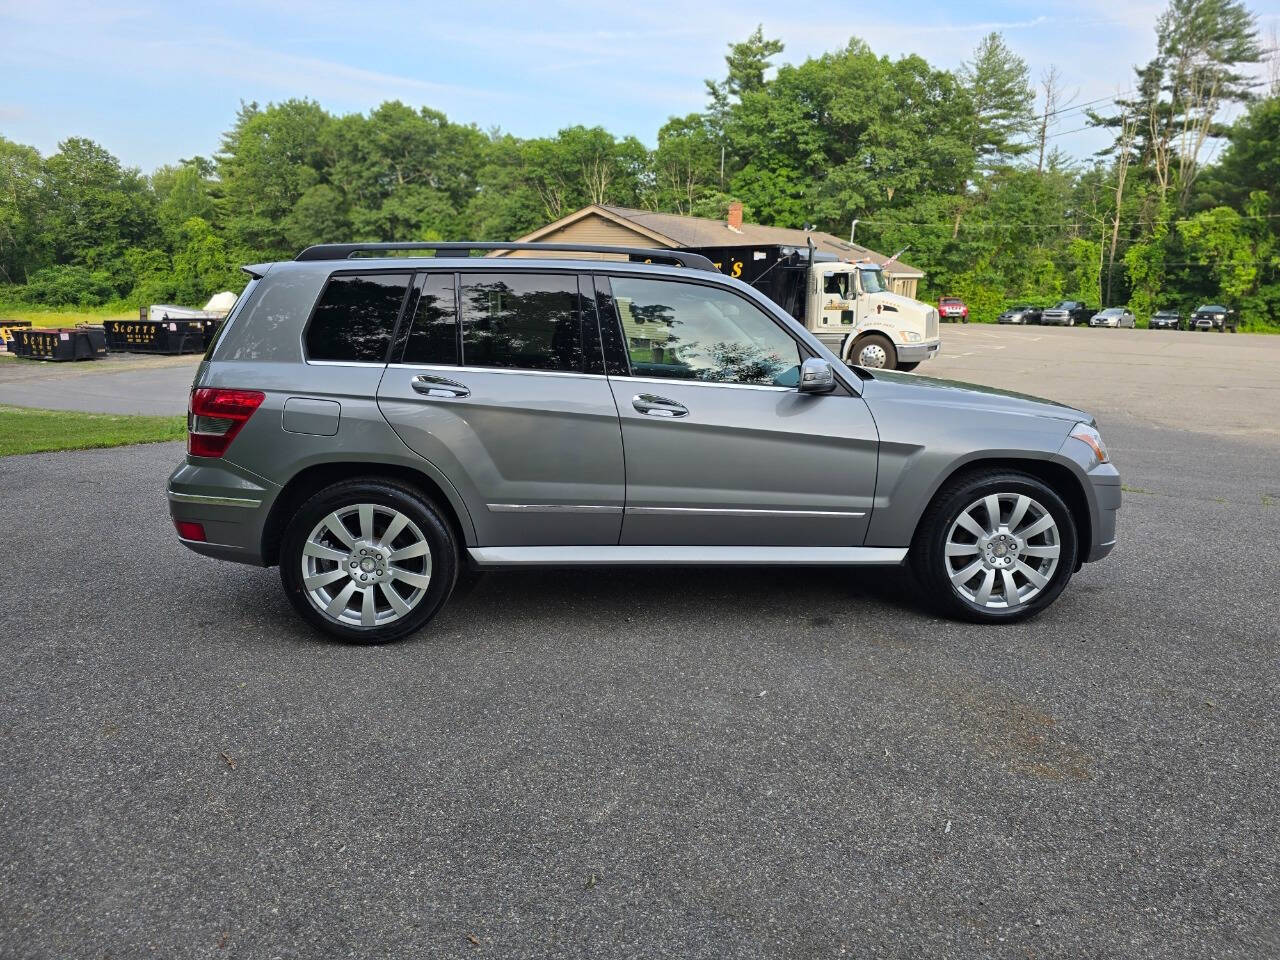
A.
pixel 366 565
pixel 1002 551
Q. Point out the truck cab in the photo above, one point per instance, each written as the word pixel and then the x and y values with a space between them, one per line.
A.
pixel 852 310
pixel 847 305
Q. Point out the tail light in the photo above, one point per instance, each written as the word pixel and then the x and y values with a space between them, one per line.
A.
pixel 215 416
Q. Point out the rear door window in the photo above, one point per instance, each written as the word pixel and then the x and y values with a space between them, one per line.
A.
pixel 355 317
pixel 433 325
pixel 527 321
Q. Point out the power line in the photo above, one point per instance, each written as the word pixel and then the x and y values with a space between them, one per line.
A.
pixel 1046 226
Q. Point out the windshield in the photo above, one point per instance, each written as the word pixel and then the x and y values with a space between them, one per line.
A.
pixel 1211 308
pixel 1064 305
pixel 873 280
pixel 1111 312
pixel 837 284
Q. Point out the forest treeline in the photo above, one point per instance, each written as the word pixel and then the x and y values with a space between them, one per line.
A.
pixel 970 170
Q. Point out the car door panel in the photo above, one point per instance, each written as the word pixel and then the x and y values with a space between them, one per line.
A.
pixel 537 457
pixel 758 467
pixel 719 464
pixel 536 454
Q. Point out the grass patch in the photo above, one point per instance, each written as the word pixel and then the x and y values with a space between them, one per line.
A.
pixel 28 430
pixel 64 316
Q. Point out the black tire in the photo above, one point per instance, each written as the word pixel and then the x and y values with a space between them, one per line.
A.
pixel 908 367
pixel 883 342
pixel 929 563
pixel 444 562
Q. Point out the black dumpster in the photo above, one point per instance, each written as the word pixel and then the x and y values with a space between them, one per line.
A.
pixel 6 332
pixel 156 336
pixel 68 343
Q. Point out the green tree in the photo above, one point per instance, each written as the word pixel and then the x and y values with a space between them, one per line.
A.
pixel 998 82
pixel 22 246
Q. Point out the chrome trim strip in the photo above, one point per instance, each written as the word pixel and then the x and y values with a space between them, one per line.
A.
pixel 343 363
pixel 444 368
pixel 611 555
pixel 209 501
pixel 676 381
pixel 553 508
pixel 738 512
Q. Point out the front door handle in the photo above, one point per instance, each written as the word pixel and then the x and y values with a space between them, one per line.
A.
pixel 652 406
pixel 438 387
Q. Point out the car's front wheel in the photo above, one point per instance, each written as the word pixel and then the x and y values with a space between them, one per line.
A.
pixel 994 546
pixel 368 561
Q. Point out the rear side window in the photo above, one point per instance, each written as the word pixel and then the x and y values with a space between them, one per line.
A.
pixel 355 317
pixel 527 321
pixel 433 331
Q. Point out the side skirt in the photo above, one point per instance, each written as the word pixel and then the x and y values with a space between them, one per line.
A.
pixel 610 555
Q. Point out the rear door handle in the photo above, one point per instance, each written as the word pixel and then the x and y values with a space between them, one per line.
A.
pixel 652 406
pixel 438 387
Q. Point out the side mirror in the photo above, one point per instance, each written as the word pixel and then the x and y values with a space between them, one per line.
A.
pixel 816 376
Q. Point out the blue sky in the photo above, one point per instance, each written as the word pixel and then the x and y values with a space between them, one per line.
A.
pixel 154 82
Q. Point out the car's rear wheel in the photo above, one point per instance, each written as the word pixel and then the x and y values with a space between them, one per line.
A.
pixel 875 351
pixel 368 561
pixel 994 547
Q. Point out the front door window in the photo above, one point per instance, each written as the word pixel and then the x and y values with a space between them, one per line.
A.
pixel 686 331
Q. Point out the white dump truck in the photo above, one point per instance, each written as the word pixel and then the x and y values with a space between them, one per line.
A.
pixel 846 304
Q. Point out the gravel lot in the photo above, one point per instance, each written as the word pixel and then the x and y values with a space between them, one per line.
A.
pixel 649 763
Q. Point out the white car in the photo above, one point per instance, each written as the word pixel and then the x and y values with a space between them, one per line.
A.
pixel 1112 317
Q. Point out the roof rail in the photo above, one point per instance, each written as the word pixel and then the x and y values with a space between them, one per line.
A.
pixel 344 251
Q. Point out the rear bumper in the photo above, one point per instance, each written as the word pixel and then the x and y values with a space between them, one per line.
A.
pixel 916 352
pixel 230 503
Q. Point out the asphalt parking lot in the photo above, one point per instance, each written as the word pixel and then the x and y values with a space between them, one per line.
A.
pixel 653 763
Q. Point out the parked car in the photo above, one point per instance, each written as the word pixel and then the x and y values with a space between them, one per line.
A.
pixel 1022 313
pixel 953 308
pixel 1066 313
pixel 377 426
pixel 1213 316
pixel 1166 320
pixel 1113 317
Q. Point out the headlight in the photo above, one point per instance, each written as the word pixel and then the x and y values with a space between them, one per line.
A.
pixel 1219 316
pixel 910 336
pixel 1090 435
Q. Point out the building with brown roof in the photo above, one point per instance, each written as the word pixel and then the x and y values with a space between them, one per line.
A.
pixel 627 227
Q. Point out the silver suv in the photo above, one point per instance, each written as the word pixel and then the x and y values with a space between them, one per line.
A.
pixel 380 425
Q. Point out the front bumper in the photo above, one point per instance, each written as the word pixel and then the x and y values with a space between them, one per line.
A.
pixel 230 503
pixel 916 352
pixel 1105 481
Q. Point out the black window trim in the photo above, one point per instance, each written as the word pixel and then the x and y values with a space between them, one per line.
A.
pixel 306 327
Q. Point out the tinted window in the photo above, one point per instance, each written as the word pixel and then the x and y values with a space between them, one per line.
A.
pixel 524 320
pixel 355 317
pixel 433 335
pixel 692 332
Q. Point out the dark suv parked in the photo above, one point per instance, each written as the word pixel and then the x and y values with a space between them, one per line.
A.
pixel 375 425
pixel 1066 313
pixel 1213 316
